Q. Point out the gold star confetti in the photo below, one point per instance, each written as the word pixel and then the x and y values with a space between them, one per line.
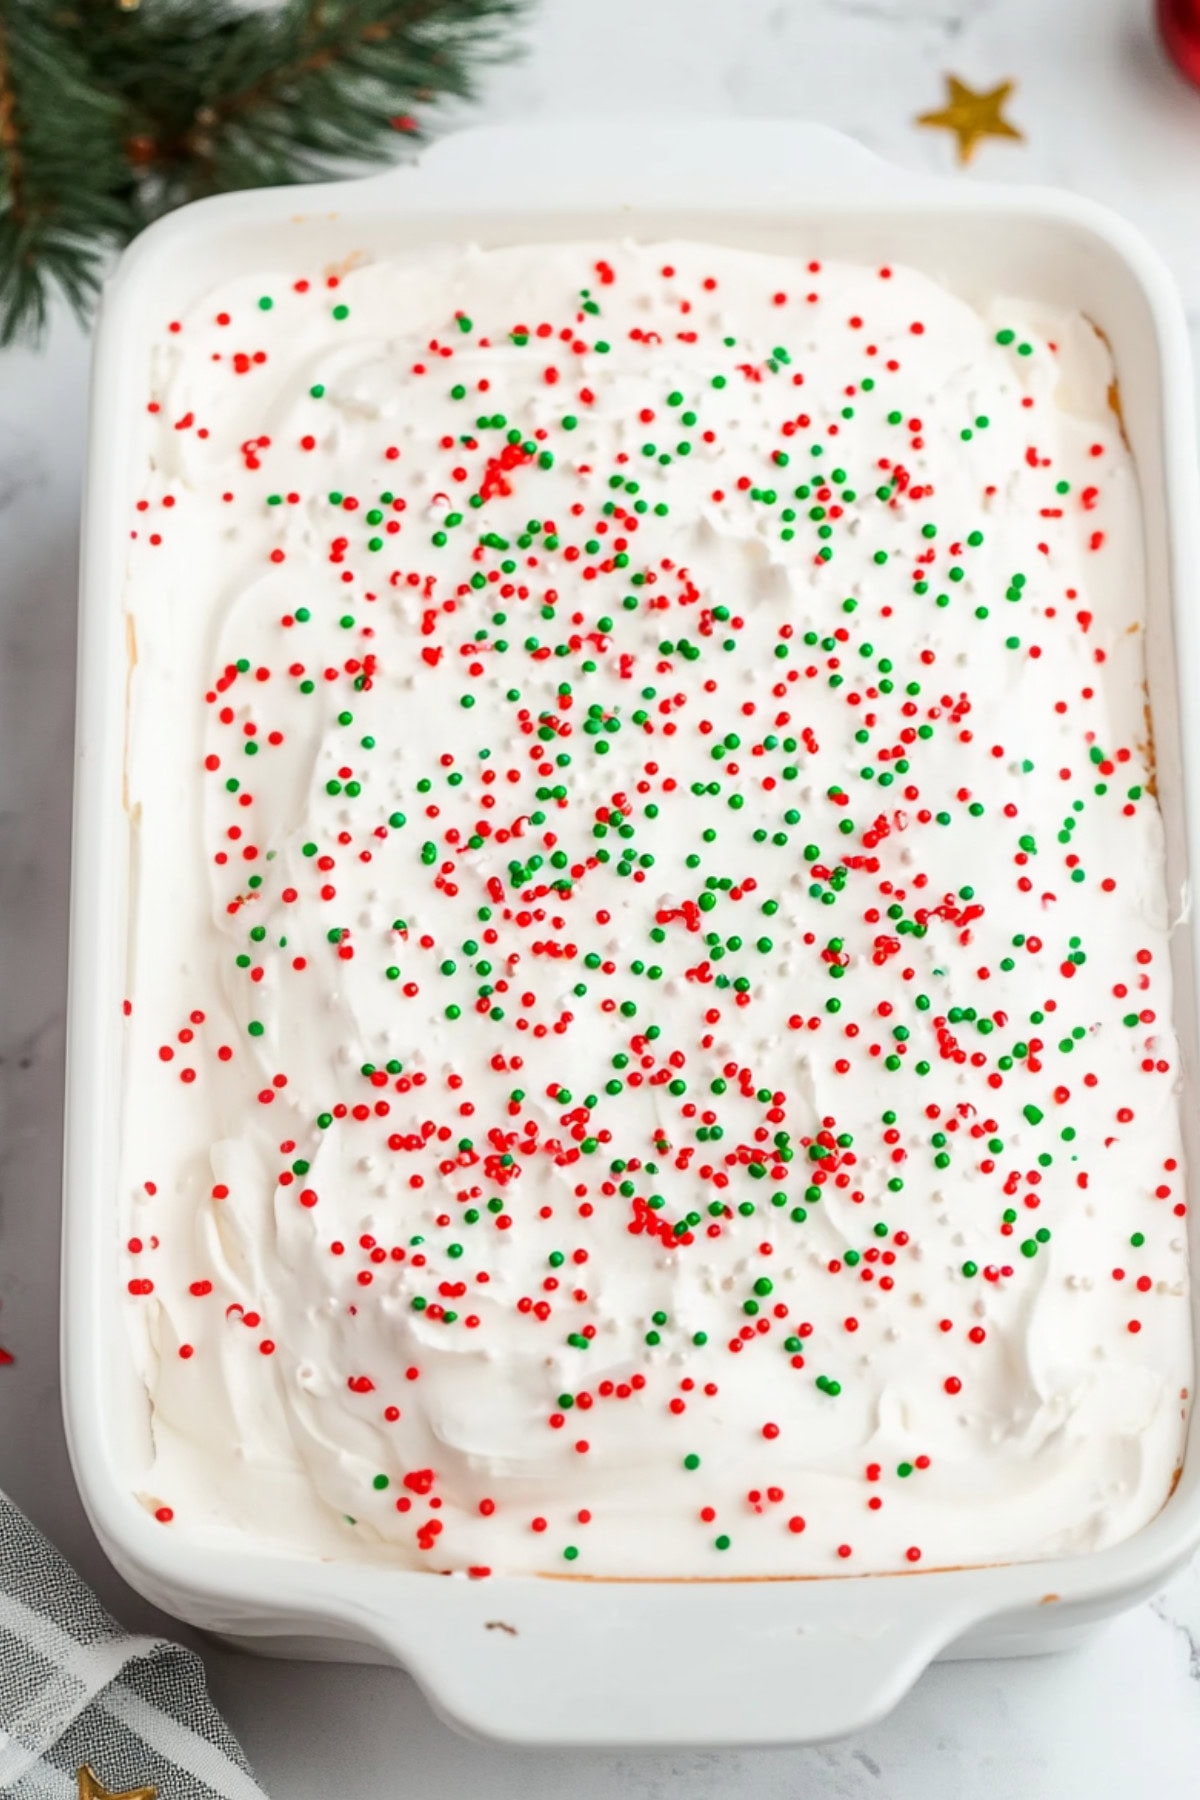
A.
pixel 971 116
pixel 92 1788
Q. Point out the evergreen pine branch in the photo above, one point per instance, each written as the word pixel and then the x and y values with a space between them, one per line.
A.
pixel 113 111
pixel 62 172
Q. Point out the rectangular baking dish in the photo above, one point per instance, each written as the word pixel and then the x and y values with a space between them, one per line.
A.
pixel 572 1661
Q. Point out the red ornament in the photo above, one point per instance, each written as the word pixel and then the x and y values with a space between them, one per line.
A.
pixel 1179 27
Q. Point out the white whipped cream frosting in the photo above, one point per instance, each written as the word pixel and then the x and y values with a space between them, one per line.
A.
pixel 299 1396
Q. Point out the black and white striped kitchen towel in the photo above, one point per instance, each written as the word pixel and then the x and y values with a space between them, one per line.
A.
pixel 76 1691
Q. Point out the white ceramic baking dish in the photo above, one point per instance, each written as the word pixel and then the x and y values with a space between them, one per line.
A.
pixel 568 1661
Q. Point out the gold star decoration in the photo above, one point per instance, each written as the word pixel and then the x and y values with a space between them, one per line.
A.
pixel 971 116
pixel 92 1788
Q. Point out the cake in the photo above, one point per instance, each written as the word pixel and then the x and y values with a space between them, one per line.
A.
pixel 648 1042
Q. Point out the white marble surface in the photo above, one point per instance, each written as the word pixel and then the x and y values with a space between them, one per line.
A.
pixel 1103 114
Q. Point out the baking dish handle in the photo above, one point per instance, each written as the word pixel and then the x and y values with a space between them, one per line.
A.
pixel 665 163
pixel 658 1664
